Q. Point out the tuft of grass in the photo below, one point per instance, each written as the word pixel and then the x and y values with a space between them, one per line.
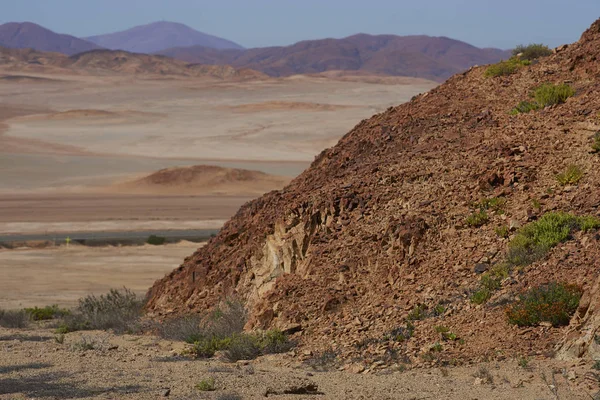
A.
pixel 549 94
pixel 505 68
pixel 417 313
pixel 596 365
pixel 445 333
pixel 46 313
pixel 477 219
pixel 206 385
pixel 571 176
pixel 502 231
pixel 84 344
pixel 596 143
pixel 523 362
pixel 532 51
pixel 490 282
pixel 485 375
pixel 436 348
pixel 493 203
pixel 60 338
pixel 554 303
pixel 13 319
pixel 524 107
pixel 535 239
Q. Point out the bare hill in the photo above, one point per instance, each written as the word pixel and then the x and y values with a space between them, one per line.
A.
pixel 121 62
pixel 159 36
pixel 29 35
pixel 434 58
pixel 204 179
pixel 379 249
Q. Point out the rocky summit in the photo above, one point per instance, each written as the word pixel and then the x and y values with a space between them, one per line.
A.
pixel 382 247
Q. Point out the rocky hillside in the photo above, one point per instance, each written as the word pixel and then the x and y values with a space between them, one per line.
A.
pixel 29 35
pixel 120 62
pixel 434 58
pixel 381 248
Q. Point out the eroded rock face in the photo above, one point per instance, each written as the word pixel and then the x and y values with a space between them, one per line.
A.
pixel 377 225
pixel 583 338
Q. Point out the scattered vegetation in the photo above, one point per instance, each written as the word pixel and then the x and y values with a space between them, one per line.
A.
pixel 477 219
pixel 596 365
pixel 222 330
pixel 535 239
pixel 46 313
pixel 119 310
pixel 156 240
pixel 206 385
pixel 535 203
pixel 436 347
pixel 13 319
pixel 532 51
pixel 554 303
pixel 504 68
pixel 571 176
pixel 401 333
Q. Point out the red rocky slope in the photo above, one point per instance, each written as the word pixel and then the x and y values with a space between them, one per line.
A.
pixel 377 225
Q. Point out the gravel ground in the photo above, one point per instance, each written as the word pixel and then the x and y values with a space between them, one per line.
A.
pixel 34 365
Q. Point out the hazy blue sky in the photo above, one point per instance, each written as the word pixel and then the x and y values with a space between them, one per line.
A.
pixel 254 23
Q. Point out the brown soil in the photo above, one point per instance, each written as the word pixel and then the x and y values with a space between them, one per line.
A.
pixel 34 365
pixel 376 226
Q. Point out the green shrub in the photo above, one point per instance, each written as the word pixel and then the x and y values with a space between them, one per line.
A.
pixel 13 319
pixel 535 239
pixel 46 313
pixel 571 176
pixel 549 94
pixel 156 240
pixel 596 144
pixel 532 51
pixel 504 68
pixel 206 385
pixel 525 107
pixel 554 303
pixel 477 219
pixel 207 347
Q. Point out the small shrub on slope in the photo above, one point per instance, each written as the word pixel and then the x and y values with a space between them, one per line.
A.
pixel 596 143
pixel 525 107
pixel 570 176
pixel 549 94
pixel 554 303
pixel 477 219
pixel 535 239
pixel 504 68
pixel 532 51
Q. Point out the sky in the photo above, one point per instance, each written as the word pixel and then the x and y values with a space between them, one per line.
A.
pixel 259 23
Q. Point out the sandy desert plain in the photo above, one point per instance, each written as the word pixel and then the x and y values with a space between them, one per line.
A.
pixel 72 148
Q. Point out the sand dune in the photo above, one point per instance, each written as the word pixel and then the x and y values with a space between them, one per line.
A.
pixel 202 179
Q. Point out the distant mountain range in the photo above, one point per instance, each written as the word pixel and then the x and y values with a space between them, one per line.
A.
pixel 29 35
pixel 435 58
pixel 159 36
